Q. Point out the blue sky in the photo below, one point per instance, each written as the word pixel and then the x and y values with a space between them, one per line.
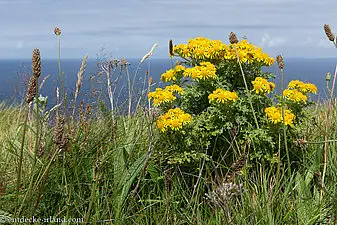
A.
pixel 130 28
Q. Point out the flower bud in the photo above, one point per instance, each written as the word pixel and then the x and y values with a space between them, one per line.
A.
pixel 328 76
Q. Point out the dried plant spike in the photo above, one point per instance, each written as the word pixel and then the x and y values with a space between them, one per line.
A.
pixel 31 91
pixel 171 53
pixel 36 63
pixel 58 130
pixel 40 151
pixel 65 142
pixel 147 55
pixel 57 31
pixel 80 75
pixel 280 62
pixel 232 38
pixel 240 163
pixel 328 32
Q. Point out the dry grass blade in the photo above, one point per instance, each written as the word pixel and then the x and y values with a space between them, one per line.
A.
pixel 43 81
pixel 149 53
pixel 80 75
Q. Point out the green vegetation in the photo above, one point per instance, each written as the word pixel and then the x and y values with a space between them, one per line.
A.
pixel 219 147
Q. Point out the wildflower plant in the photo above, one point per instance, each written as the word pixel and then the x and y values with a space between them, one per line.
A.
pixel 208 103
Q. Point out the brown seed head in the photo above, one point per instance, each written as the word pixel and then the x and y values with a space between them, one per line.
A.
pixel 58 130
pixel 36 63
pixel 57 31
pixel 40 150
pixel 171 53
pixel 31 91
pixel 240 163
pixel 80 75
pixel 280 62
pixel 150 80
pixel 328 32
pixel 232 38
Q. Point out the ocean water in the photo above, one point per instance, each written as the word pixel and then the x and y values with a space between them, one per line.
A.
pixel 14 75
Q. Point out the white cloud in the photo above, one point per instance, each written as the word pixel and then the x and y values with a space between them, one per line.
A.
pixel 19 44
pixel 268 41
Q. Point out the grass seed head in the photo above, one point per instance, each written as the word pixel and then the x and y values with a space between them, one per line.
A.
pixel 328 32
pixel 58 130
pixel 57 31
pixel 232 38
pixel 36 63
pixel 171 48
pixel 80 75
pixel 280 62
pixel 31 91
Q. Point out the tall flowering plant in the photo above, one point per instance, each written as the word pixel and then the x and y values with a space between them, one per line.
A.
pixel 214 95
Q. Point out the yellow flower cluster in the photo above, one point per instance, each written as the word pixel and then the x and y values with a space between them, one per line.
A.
pixel 206 70
pixel 248 53
pixel 275 115
pixel 302 87
pixel 173 119
pixel 172 73
pixel 295 95
pixel 174 88
pixel 222 96
pixel 160 96
pixel 201 48
pixel 261 85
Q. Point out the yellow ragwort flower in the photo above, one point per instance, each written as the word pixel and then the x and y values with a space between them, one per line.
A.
pixel 174 88
pixel 262 86
pixel 174 119
pixel 303 87
pixel 206 70
pixel 248 53
pixel 294 95
pixel 275 115
pixel 172 74
pixel 222 96
pixel 201 48
pixel 161 96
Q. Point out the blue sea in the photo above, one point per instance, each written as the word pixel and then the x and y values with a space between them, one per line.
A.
pixel 14 75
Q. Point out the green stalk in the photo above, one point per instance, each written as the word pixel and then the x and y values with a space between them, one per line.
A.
pixel 21 157
pixel 37 139
pixel 59 56
pixel 246 86
pixel 284 126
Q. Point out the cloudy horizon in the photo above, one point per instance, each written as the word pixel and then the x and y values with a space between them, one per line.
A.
pixel 128 29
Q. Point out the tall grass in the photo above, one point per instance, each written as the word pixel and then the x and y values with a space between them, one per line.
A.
pixel 110 172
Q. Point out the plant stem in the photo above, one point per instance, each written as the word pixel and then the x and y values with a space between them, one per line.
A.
pixel 246 86
pixel 284 126
pixel 37 125
pixel 326 132
pixel 21 157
